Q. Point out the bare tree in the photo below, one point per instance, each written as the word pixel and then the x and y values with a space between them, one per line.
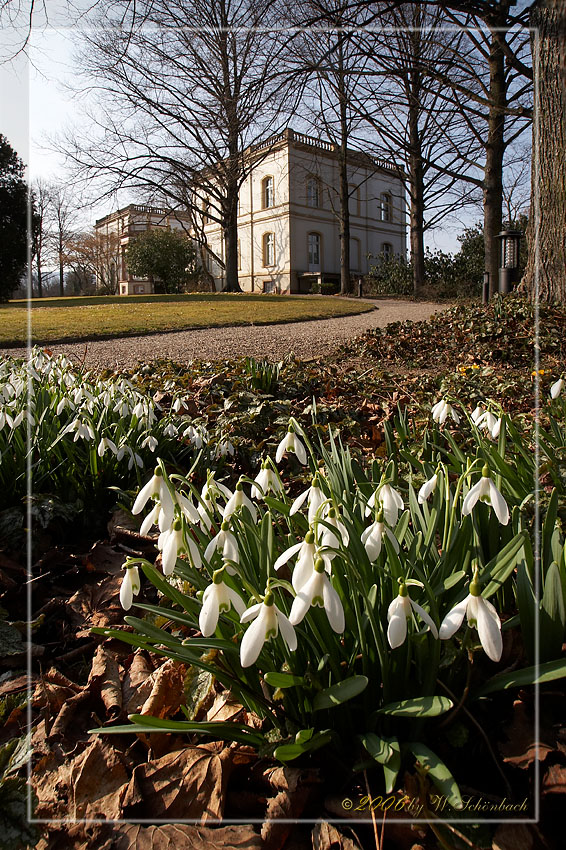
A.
pixel 95 254
pixel 187 88
pixel 402 102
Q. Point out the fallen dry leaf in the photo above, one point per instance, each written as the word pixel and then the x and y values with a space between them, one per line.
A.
pixel 167 690
pixel 554 781
pixel 517 836
pixel 294 787
pixel 106 672
pixel 189 784
pixel 96 605
pixel 169 836
pixel 137 682
pixel 103 558
pixel 326 837
pixel 99 783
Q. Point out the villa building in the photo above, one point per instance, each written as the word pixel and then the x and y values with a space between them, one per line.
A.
pixel 127 223
pixel 288 230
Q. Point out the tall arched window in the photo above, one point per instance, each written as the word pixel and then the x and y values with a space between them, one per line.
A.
pixel 268 249
pixel 313 249
pixel 386 207
pixel 355 261
pixel 313 192
pixel 267 195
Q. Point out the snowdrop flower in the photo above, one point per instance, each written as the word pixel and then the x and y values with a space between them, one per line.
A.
pixel 266 480
pixel 170 430
pixel 225 448
pixel 442 410
pixel 391 502
pixel 398 613
pixel 372 537
pixel 291 443
pixel 485 420
pixel 239 500
pixel 213 489
pixel 331 539
pixel 130 587
pixel 156 489
pixel 152 518
pixel 172 543
pixel 557 388
pixel 105 444
pixel 186 507
pixel 318 592
pixel 150 442
pixel 83 431
pixel 315 499
pixel 216 599
pixel 205 511
pixel 481 615
pixel 226 543
pixel 268 621
pixel 486 491
pixel 197 437
pixel 427 488
pixel 304 565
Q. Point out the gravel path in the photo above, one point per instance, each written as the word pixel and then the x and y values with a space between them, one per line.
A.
pixel 304 339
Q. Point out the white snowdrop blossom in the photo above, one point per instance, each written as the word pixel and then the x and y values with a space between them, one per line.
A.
pixel 398 613
pixel 486 491
pixel 427 488
pixel 217 599
pixel 130 587
pixel 105 444
pixel 485 420
pixel 265 481
pixel 390 500
pixel 268 621
pixel 557 388
pixel 291 443
pixel 197 437
pixel 239 500
pixel 314 497
pixel 156 489
pixel 442 410
pixel 171 430
pixel 150 443
pixel 318 591
pixel 226 542
pixel 304 566
pixel 481 615
pixel 213 489
pixel 186 507
pixel 372 537
pixel 172 542
pixel 335 535
pixel 225 448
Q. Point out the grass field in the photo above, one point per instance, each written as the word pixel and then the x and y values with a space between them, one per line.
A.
pixel 58 319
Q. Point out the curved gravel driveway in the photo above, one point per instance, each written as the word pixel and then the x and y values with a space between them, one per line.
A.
pixel 304 339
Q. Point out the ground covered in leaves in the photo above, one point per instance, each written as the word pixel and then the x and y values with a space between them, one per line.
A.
pixel 79 681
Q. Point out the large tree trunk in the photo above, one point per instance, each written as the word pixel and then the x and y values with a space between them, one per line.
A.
pixel 344 220
pixel 416 176
pixel 495 150
pixel 545 274
pixel 230 233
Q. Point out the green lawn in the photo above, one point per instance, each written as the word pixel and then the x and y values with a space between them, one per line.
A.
pixel 58 319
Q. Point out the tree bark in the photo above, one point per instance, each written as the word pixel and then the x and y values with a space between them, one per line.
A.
pixel 545 274
pixel 416 175
pixel 495 150
pixel 344 219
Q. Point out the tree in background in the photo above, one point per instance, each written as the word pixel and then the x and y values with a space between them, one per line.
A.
pixel 164 256
pixel 13 219
pixel 94 255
